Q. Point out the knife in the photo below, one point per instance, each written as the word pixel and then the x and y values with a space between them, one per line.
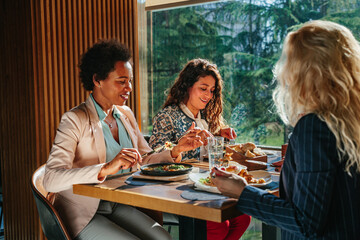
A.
pixel 258 162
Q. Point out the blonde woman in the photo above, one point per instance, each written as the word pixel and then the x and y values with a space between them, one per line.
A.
pixel 319 94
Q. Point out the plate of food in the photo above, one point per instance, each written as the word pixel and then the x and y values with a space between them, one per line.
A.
pixel 165 169
pixel 256 178
pixel 202 181
pixel 231 166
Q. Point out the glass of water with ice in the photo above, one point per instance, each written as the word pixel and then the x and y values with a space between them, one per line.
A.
pixel 215 150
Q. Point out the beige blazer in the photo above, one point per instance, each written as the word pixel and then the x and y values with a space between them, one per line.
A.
pixel 77 155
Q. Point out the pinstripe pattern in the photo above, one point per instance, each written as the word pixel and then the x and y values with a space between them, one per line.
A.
pixel 318 199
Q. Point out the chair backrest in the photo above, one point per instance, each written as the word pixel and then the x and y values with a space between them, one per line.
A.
pixel 51 223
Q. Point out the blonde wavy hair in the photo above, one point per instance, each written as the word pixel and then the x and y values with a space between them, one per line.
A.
pixel 319 72
pixel 189 75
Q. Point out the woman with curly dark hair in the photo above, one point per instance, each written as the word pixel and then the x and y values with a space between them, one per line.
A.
pixel 196 97
pixel 100 137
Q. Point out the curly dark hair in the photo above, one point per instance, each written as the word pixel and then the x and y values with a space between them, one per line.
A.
pixel 100 59
pixel 190 74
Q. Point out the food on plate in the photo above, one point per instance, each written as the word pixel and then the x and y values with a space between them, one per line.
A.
pixel 169 145
pixel 243 173
pixel 250 178
pixel 248 149
pixel 207 181
pixel 232 169
pixel 167 168
pixel 226 159
pixel 227 164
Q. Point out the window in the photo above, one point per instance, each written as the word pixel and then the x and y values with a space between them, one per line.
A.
pixel 244 38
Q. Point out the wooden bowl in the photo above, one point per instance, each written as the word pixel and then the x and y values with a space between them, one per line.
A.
pixel 241 158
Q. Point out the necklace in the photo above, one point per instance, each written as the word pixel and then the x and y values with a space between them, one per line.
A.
pixel 109 123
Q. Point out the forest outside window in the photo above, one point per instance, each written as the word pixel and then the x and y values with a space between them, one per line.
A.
pixel 244 38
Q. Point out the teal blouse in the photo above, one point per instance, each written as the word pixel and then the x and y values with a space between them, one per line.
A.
pixel 112 146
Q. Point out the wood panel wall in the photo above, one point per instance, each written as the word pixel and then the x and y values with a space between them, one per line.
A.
pixel 41 42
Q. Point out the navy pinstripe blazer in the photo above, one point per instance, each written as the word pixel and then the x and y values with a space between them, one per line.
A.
pixel 318 199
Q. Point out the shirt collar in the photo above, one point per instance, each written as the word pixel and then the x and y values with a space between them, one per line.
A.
pixel 102 115
pixel 116 112
pixel 201 123
pixel 188 113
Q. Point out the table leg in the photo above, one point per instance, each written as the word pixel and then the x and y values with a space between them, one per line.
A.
pixel 270 232
pixel 192 229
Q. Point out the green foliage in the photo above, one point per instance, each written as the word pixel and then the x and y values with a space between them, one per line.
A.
pixel 244 38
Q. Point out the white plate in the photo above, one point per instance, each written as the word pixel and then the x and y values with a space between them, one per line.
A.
pixel 238 165
pixel 195 177
pixel 261 174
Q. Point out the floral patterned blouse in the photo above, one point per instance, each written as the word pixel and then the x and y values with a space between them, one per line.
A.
pixel 169 125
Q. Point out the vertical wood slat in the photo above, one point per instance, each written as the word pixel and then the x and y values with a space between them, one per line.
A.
pixel 72 40
pixel 16 117
pixel 42 42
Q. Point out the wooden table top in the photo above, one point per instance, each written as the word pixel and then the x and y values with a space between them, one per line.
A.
pixel 163 196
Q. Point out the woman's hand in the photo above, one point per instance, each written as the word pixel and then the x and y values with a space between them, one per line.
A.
pixel 229 184
pixel 125 159
pixel 202 133
pixel 228 133
pixel 193 138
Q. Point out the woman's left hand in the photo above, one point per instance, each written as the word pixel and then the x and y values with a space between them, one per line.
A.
pixel 228 133
pixel 229 184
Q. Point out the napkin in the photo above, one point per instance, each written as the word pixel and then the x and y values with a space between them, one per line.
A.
pixel 137 182
pixel 191 194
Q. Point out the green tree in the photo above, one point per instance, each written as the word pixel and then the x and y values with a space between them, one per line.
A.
pixel 244 38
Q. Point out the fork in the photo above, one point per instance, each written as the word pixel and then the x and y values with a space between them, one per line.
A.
pixel 156 150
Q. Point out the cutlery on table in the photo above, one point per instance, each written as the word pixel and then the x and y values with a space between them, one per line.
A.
pixel 155 150
pixel 258 162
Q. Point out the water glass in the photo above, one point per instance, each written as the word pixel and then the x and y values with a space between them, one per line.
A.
pixel 215 149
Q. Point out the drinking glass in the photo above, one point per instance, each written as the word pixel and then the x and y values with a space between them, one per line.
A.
pixel 215 149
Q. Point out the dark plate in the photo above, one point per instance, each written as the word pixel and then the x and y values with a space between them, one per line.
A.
pixel 165 173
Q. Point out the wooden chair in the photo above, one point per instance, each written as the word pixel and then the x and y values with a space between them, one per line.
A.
pixel 51 223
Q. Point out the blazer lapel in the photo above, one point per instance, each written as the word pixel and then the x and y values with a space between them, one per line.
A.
pixel 99 141
pixel 97 130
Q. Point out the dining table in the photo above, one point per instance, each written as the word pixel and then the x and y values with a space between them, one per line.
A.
pixel 166 196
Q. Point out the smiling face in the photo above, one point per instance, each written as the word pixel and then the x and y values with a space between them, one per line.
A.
pixel 200 94
pixel 116 88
